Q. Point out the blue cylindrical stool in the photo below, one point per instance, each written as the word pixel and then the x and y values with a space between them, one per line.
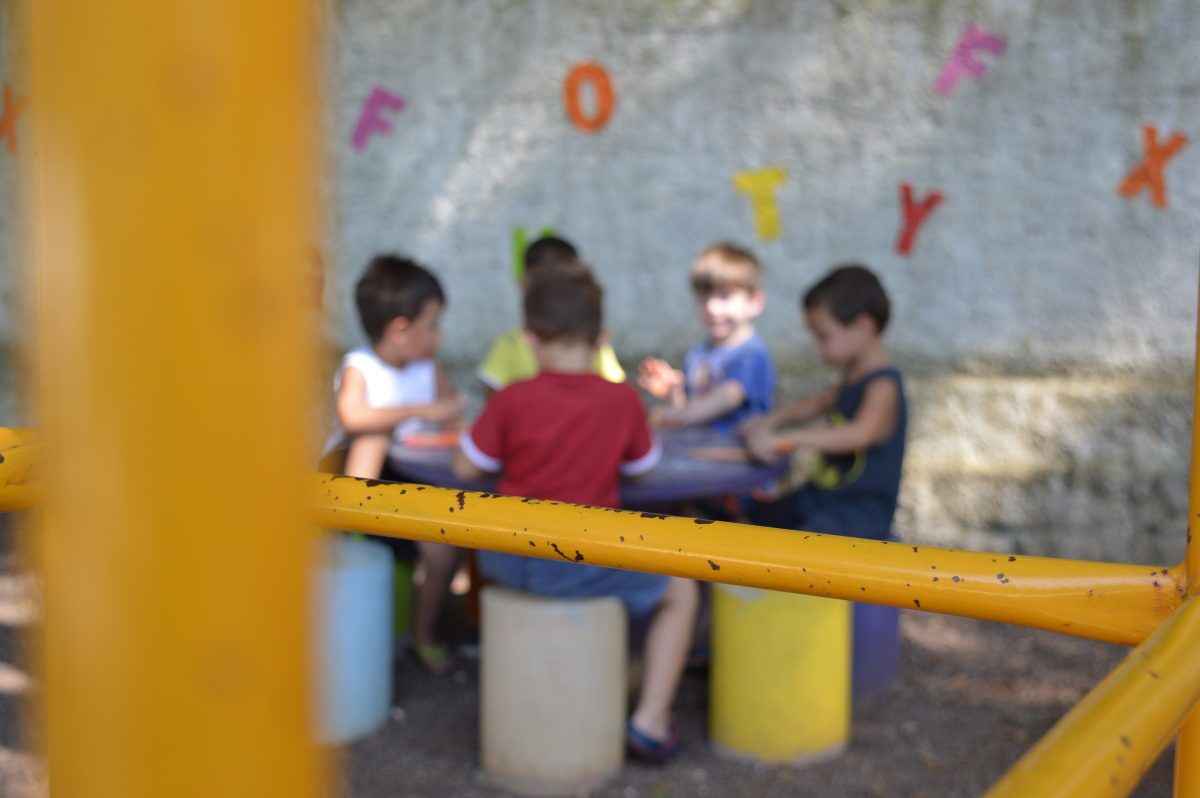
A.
pixel 353 637
pixel 876 649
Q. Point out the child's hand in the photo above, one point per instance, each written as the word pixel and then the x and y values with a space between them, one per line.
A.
pixel 755 425
pixel 445 410
pixel 763 446
pixel 658 378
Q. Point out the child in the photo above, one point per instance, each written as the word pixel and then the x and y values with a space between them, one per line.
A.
pixel 729 377
pixel 854 486
pixel 390 389
pixel 511 359
pixel 569 435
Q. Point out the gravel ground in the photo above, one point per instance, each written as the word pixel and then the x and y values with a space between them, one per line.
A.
pixel 971 698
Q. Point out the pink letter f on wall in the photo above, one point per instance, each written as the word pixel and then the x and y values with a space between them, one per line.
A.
pixel 962 61
pixel 372 120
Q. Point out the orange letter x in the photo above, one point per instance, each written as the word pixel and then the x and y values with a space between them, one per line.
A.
pixel 8 122
pixel 1150 173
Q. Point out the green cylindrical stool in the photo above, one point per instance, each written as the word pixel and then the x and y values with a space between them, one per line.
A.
pixel 780 680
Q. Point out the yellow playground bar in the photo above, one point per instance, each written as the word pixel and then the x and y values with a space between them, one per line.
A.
pixel 158 408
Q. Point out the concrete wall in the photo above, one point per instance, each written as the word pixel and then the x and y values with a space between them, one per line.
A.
pixel 1046 322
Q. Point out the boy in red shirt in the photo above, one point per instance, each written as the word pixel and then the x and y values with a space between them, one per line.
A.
pixel 569 435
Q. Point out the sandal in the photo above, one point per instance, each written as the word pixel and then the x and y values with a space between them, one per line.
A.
pixel 435 658
pixel 646 748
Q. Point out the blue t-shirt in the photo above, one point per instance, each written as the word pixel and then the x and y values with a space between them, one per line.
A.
pixel 748 363
pixel 856 494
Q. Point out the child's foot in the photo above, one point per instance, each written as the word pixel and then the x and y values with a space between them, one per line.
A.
pixel 434 658
pixel 644 747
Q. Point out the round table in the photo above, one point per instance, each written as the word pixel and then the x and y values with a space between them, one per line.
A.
pixel 688 469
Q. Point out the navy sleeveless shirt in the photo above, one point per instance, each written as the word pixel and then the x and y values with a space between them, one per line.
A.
pixel 855 494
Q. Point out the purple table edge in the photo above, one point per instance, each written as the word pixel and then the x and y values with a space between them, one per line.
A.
pixel 677 477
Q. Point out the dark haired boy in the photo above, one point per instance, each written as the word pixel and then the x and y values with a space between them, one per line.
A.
pixel 570 435
pixel 510 357
pixel 728 377
pixel 855 483
pixel 391 388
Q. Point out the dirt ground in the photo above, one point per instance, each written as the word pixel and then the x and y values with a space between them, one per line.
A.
pixel 971 698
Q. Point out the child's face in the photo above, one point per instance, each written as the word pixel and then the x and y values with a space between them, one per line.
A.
pixel 726 311
pixel 420 337
pixel 837 343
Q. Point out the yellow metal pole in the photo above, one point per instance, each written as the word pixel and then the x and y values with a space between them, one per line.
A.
pixel 1187 745
pixel 173 170
pixel 1103 601
pixel 1108 740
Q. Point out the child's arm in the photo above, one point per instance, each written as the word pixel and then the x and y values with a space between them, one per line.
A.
pixel 359 418
pixel 471 461
pixel 464 469
pixel 722 399
pixel 871 425
pixel 798 412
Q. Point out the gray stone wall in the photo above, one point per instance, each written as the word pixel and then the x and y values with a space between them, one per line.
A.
pixel 1046 323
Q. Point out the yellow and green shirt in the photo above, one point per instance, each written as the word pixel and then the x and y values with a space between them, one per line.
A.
pixel 511 360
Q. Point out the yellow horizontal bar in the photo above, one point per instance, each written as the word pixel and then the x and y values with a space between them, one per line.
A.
pixel 1101 601
pixel 18 454
pixel 1104 745
pixel 10 436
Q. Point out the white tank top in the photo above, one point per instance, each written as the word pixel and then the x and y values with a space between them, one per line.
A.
pixel 388 386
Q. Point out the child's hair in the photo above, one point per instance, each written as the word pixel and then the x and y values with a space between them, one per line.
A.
pixel 724 267
pixel 393 287
pixel 849 291
pixel 548 251
pixel 565 305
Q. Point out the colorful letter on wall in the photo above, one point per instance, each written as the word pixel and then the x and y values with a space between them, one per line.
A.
pixel 372 120
pixel 914 214
pixel 520 244
pixel 588 72
pixel 760 186
pixel 1150 173
pixel 962 59
pixel 8 122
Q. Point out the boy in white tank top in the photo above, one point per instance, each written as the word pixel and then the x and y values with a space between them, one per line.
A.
pixel 387 390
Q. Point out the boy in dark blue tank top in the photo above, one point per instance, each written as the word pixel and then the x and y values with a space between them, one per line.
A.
pixel 854 485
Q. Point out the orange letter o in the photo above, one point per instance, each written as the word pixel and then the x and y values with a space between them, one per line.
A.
pixel 594 73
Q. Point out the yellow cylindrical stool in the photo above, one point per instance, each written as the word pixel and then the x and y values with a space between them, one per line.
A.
pixel 780 680
pixel 552 692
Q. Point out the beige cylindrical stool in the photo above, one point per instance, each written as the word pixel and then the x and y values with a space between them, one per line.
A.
pixel 780 679
pixel 552 688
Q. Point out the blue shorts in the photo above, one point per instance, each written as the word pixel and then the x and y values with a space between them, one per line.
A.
pixel 640 592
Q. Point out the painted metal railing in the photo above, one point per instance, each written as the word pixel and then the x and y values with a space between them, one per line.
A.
pixel 1102 747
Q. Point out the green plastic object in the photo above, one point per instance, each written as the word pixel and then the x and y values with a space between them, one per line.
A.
pixel 403 598
pixel 520 244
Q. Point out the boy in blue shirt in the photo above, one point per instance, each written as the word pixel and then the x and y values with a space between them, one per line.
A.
pixel 729 377
pixel 854 486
